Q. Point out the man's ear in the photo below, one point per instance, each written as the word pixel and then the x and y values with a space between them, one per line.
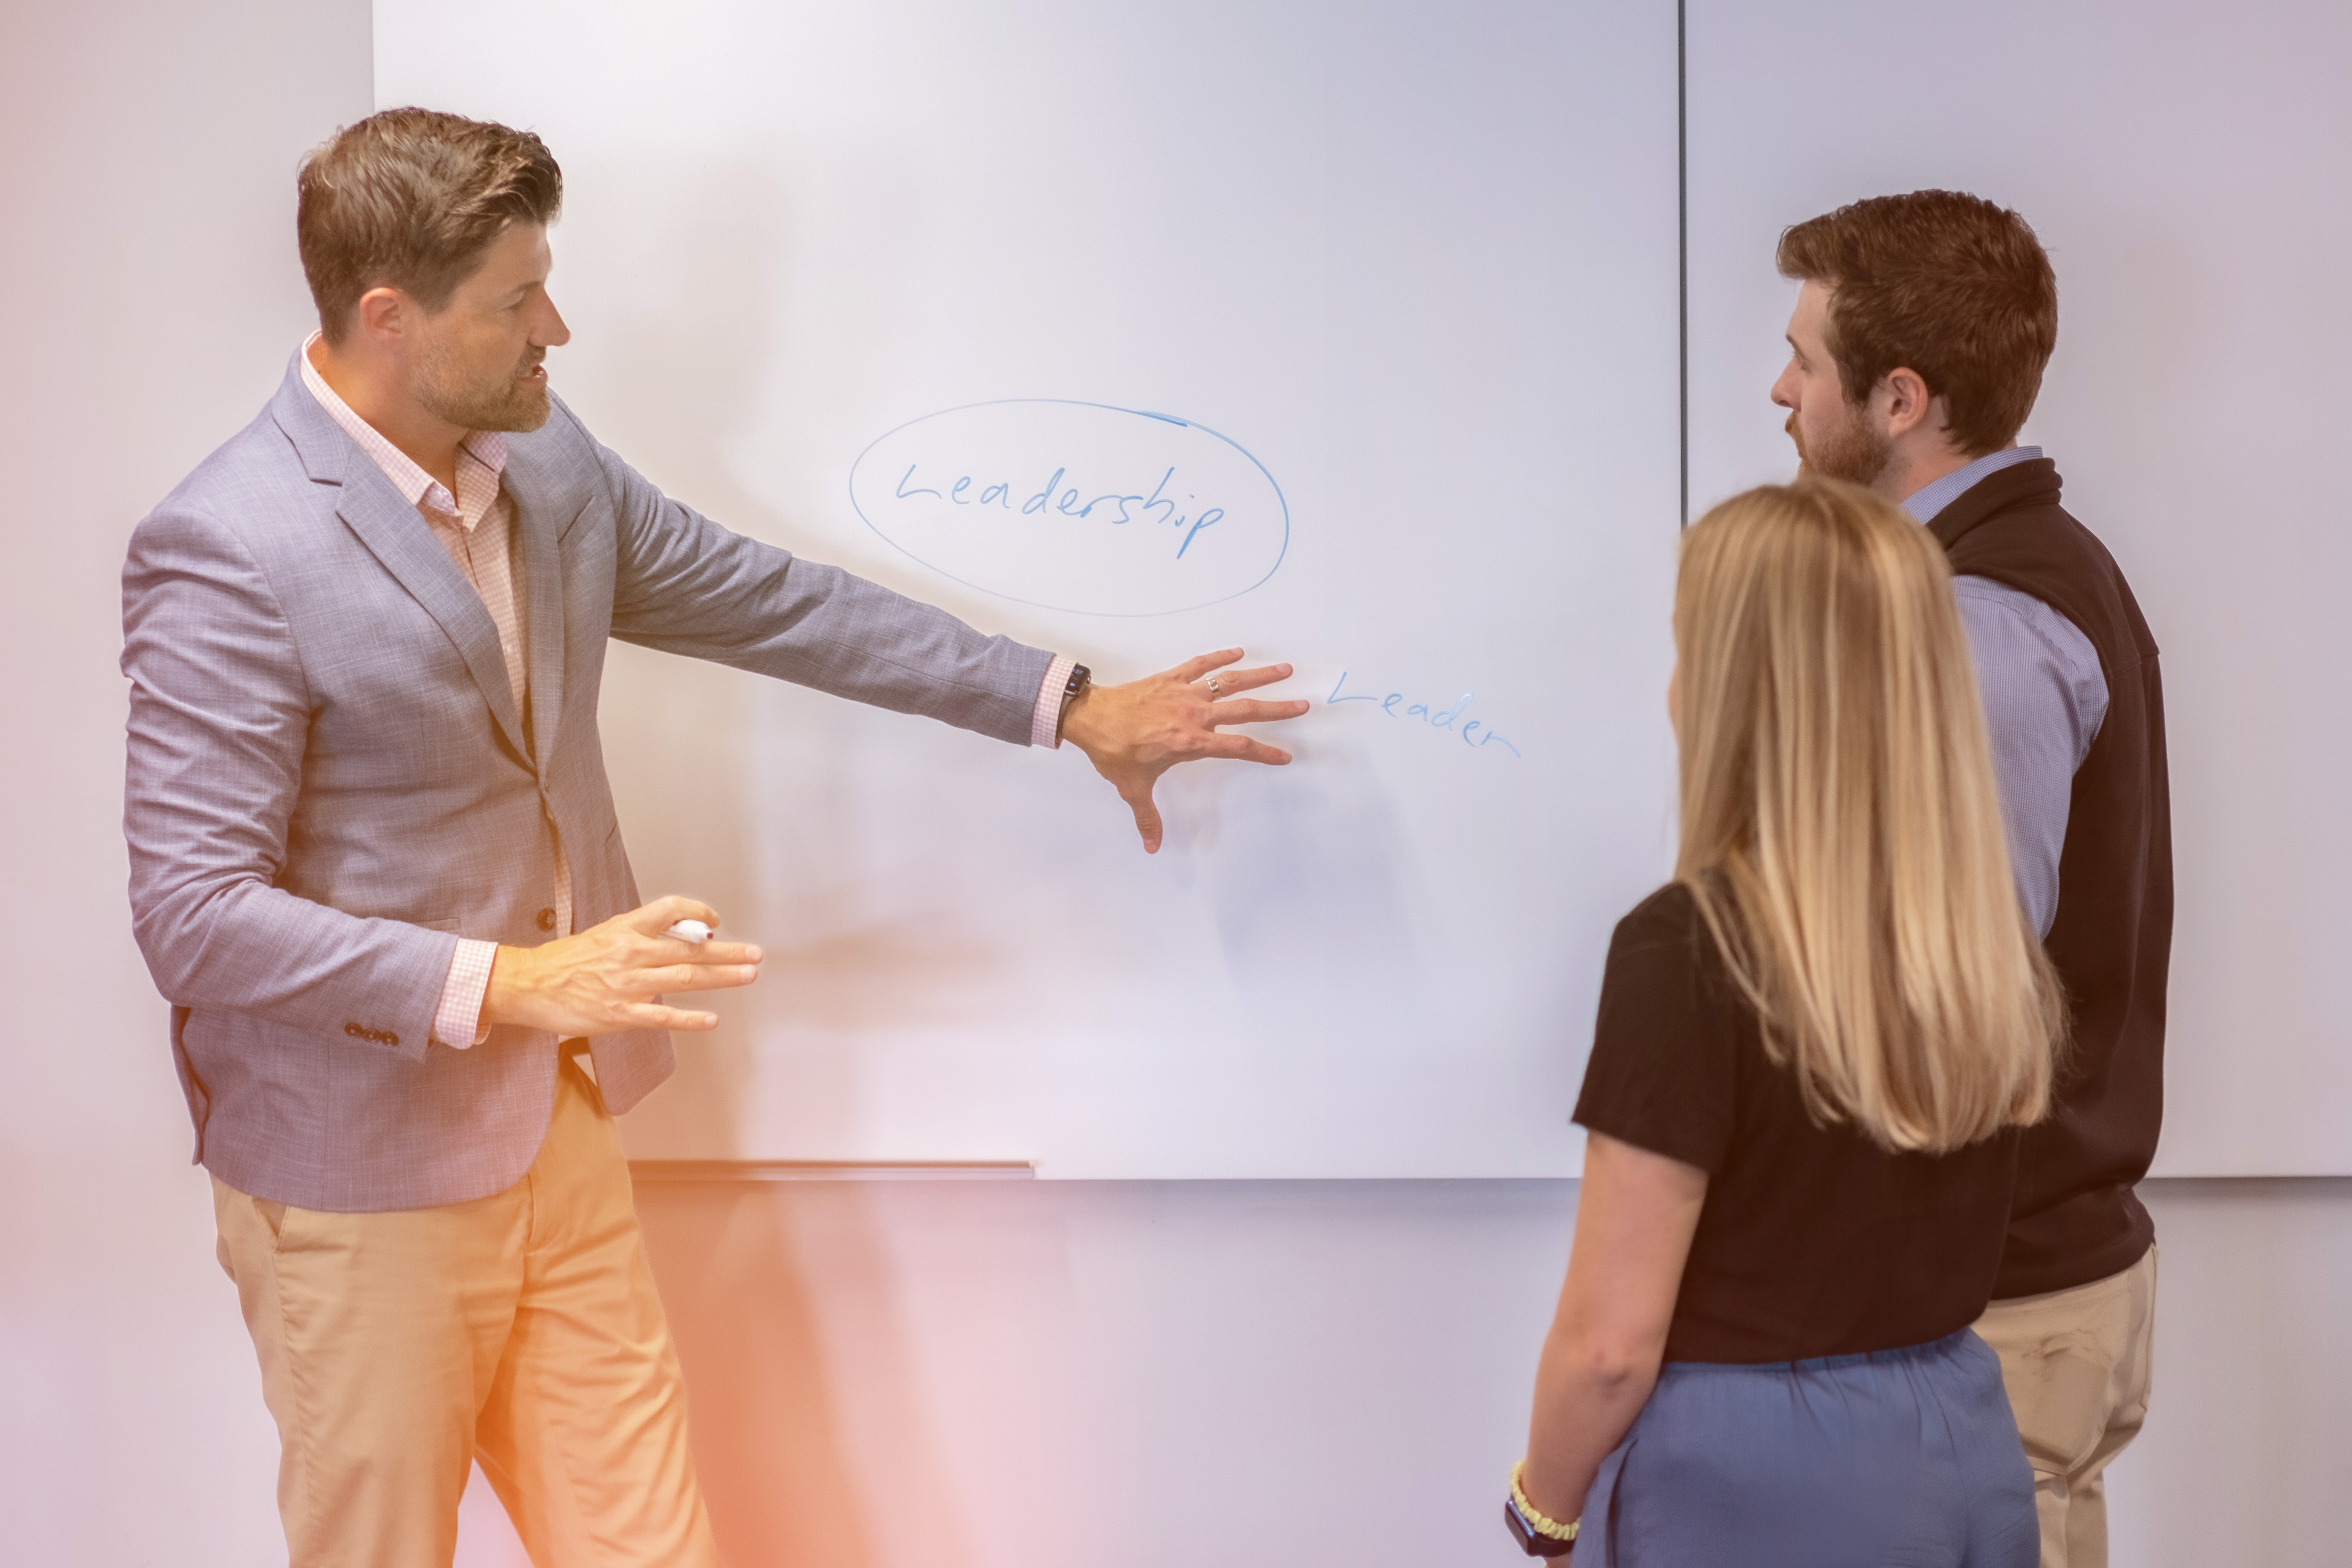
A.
pixel 1908 404
pixel 383 315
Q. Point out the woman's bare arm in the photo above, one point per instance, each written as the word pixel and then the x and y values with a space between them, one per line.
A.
pixel 1634 1219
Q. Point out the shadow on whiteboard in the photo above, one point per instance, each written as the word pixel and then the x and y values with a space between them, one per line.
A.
pixel 1313 892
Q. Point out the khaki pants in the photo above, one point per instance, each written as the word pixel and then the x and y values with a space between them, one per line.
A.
pixel 521 1330
pixel 2076 1364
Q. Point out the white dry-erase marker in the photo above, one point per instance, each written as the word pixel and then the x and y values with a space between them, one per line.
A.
pixel 689 931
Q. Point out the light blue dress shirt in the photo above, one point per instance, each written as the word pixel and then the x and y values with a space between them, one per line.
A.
pixel 2044 699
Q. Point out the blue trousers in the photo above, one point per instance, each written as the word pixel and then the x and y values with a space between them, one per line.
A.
pixel 1902 1459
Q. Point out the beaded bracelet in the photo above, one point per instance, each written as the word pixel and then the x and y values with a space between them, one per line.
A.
pixel 1538 1521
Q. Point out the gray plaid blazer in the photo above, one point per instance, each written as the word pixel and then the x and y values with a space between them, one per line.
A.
pixel 329 783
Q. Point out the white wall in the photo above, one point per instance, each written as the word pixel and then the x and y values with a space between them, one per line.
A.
pixel 882 1374
pixel 153 298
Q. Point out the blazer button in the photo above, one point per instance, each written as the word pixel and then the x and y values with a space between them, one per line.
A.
pixel 547 920
pixel 354 1031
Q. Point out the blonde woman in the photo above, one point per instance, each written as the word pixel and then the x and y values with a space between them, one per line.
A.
pixel 1814 1050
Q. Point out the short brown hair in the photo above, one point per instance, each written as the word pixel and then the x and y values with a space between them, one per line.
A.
pixel 1943 283
pixel 410 199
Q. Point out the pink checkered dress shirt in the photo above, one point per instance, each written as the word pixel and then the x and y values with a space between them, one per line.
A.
pixel 476 526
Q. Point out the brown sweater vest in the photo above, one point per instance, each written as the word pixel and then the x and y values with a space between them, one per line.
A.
pixel 2076 1219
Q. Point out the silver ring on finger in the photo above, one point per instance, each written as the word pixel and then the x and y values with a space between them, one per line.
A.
pixel 1215 690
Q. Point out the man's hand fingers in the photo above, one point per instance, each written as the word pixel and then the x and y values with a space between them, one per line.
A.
pixel 1249 679
pixel 675 950
pixel 1147 816
pixel 647 1016
pixel 1191 670
pixel 1255 711
pixel 1241 748
pixel 702 976
pixel 652 919
pixel 1132 734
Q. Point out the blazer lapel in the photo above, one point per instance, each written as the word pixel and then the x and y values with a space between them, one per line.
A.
pixel 400 539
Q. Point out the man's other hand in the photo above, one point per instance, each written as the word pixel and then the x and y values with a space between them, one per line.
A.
pixel 606 978
pixel 1135 733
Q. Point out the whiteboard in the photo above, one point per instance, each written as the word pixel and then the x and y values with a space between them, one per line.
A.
pixel 1389 289
pixel 2185 165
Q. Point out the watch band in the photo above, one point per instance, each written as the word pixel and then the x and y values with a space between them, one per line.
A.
pixel 1538 1534
pixel 1080 679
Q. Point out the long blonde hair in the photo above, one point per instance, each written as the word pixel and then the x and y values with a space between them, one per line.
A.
pixel 1841 828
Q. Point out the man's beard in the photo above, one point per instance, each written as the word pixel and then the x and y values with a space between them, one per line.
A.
pixel 1853 451
pixel 448 391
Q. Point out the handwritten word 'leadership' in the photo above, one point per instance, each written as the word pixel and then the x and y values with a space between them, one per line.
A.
pixel 1135 508
pixel 1436 718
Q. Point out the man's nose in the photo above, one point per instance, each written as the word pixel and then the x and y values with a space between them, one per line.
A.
pixel 552 333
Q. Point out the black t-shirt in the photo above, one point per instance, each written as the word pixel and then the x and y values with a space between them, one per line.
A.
pixel 1813 1240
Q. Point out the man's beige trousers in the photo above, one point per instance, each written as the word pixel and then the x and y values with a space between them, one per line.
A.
pixel 521 1330
pixel 2076 1363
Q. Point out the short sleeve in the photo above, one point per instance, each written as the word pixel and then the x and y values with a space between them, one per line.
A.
pixel 1662 1075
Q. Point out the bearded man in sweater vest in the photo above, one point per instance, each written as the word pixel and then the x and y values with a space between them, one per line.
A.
pixel 1916 349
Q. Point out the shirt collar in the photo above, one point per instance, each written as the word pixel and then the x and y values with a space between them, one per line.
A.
pixel 486 447
pixel 1928 500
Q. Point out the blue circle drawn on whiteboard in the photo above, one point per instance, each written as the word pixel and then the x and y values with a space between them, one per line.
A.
pixel 1085 507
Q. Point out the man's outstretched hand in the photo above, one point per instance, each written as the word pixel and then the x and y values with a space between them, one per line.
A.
pixel 606 978
pixel 1135 733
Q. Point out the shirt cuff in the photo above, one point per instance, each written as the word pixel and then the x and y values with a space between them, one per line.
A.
pixel 1045 719
pixel 457 1022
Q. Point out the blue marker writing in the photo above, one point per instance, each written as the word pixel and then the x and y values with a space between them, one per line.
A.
pixel 1435 717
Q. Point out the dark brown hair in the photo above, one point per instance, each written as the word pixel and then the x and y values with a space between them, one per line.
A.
pixel 410 199
pixel 1942 283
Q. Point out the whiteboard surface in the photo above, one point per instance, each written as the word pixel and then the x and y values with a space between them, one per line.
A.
pixel 2186 165
pixel 1391 289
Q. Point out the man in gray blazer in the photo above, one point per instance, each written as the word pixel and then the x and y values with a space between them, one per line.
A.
pixel 376 869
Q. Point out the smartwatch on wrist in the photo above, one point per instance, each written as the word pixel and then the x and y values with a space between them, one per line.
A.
pixel 1531 1541
pixel 1538 1535
pixel 1080 679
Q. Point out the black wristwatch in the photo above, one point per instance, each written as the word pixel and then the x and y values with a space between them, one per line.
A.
pixel 1530 1541
pixel 1080 678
